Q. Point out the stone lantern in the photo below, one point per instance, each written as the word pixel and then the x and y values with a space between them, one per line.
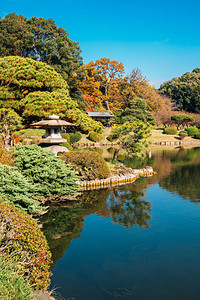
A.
pixel 54 128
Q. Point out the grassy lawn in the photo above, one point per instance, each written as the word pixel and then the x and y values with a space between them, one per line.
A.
pixel 158 136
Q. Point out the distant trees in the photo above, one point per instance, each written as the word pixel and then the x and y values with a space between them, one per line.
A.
pixel 107 86
pixel 41 40
pixel 184 91
pixel 182 120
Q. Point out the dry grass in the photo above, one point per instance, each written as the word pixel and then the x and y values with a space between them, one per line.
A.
pixel 158 136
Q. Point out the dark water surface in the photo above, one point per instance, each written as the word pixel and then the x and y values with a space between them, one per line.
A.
pixel 138 241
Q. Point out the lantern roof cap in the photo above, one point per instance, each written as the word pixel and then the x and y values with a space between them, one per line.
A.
pixel 53 121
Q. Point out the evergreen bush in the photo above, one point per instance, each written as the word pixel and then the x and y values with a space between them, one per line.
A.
pixel 95 137
pixel 89 164
pixel 75 137
pixel 68 146
pixel 66 136
pixel 192 131
pixel 49 174
pixel 20 234
pixel 18 190
pixel 170 130
pixel 182 134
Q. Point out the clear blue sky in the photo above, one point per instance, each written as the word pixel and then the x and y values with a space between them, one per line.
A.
pixel 162 38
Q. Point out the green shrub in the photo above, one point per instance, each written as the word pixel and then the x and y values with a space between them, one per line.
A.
pixel 21 235
pixel 95 137
pixel 170 130
pixel 30 132
pixel 182 134
pixel 89 164
pixel 197 135
pixel 75 137
pixel 66 137
pixel 18 190
pixel 68 146
pixel 13 285
pixel 49 174
pixel 192 131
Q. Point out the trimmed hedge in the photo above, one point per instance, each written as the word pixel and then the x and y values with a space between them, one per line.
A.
pixel 89 164
pixel 183 134
pixel 95 137
pixel 192 131
pixel 20 235
pixel 75 137
pixel 170 130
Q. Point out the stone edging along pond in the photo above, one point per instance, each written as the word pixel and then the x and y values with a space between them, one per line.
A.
pixel 117 180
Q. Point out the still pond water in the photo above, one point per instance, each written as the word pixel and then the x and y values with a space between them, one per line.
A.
pixel 138 241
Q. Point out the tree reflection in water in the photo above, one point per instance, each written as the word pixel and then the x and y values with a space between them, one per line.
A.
pixel 123 205
pixel 178 172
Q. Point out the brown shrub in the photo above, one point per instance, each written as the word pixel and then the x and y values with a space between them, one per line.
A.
pixel 89 164
pixel 19 233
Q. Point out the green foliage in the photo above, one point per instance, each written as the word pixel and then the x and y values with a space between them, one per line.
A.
pixel 36 91
pixel 18 190
pixel 30 132
pixel 182 134
pixel 89 164
pixel 132 137
pixel 66 136
pixel 95 137
pixel 21 76
pixel 41 39
pixel 182 119
pixel 9 121
pixel 192 131
pixel 13 285
pixel 75 137
pixel 50 175
pixel 21 235
pixel 136 109
pixel 170 130
pixel 184 91
pixel 197 136
pixel 68 146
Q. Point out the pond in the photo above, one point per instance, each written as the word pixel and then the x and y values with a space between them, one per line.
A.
pixel 137 241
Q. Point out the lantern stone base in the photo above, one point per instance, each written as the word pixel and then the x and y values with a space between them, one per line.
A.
pixel 54 148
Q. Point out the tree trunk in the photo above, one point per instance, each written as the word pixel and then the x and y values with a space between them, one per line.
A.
pixel 116 152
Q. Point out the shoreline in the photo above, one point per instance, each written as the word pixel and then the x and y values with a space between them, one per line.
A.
pixel 111 181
